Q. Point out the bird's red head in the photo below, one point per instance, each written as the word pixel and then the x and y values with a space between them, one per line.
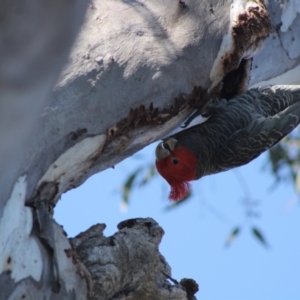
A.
pixel 177 165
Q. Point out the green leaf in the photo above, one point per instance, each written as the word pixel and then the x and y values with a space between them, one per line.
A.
pixel 177 203
pixel 151 172
pixel 259 236
pixel 232 236
pixel 128 185
pixel 138 178
pixel 297 182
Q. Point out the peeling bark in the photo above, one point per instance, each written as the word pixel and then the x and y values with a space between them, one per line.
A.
pixel 128 264
pixel 137 69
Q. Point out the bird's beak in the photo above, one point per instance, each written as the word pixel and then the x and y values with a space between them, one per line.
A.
pixel 165 148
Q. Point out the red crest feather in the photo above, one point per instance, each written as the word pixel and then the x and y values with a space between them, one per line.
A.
pixel 179 191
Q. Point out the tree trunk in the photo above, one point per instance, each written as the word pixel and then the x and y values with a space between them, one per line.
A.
pixel 138 68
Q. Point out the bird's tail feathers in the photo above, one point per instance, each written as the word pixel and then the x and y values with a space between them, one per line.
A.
pixel 269 101
pixel 285 121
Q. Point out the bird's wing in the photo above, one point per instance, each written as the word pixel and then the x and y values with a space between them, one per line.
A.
pixel 260 135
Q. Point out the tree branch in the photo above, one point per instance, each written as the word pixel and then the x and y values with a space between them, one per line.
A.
pixel 128 264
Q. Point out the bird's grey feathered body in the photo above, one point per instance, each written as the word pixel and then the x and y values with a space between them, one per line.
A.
pixel 242 128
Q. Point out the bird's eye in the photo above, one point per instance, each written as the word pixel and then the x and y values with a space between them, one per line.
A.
pixel 175 161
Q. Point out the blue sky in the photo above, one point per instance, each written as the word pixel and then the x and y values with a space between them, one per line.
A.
pixel 196 231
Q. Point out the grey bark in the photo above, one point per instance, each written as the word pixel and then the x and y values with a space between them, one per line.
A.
pixel 138 68
pixel 128 264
